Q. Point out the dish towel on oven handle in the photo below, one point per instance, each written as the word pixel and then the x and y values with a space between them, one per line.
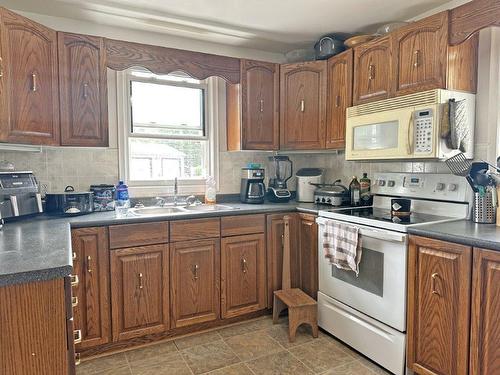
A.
pixel 342 245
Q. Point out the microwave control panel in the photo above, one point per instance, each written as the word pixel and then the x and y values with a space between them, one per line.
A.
pixel 424 122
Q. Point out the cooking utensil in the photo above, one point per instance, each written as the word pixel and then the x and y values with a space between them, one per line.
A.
pixel 482 178
pixel 460 166
pixel 491 165
pixel 358 39
pixel 328 46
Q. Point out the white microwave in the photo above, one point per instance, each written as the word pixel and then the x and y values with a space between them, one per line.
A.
pixel 435 124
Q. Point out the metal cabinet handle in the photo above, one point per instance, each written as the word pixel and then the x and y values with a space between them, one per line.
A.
pixel 1 67
pixel 434 276
pixel 302 105
pixel 141 285
pixel 77 359
pixel 416 62
pixel 371 72
pixel 89 259
pixel 195 271
pixel 85 90
pixel 337 101
pixel 74 281
pixel 74 256
pixel 261 105
pixel 244 265
pixel 282 241
pixel 77 336
pixel 74 301
pixel 33 82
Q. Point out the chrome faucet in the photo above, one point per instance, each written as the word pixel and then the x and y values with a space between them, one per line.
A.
pixel 176 191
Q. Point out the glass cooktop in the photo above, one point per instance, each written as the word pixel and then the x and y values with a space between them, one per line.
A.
pixel 384 215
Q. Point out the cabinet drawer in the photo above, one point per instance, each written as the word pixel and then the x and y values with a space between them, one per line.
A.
pixel 129 235
pixel 185 230
pixel 245 224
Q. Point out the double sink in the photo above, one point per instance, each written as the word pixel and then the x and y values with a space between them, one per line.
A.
pixel 162 210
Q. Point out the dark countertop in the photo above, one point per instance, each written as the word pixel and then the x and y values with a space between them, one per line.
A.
pixel 39 248
pixel 463 232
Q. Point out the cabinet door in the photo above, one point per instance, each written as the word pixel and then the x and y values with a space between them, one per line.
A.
pixel 259 105
pixel 303 105
pixel 195 280
pixel 372 71
pixel 308 254
pixel 82 84
pixel 420 53
pixel 91 265
pixel 139 291
pixel 339 98
pixel 30 102
pixel 439 275
pixel 243 276
pixel 485 320
pixel 274 247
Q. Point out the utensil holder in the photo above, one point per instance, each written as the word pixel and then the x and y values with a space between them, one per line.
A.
pixel 484 211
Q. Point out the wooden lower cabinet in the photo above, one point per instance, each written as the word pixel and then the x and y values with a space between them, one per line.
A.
pixel 91 266
pixel 439 276
pixel 195 282
pixel 139 291
pixel 308 253
pixel 243 276
pixel 485 319
pixel 33 326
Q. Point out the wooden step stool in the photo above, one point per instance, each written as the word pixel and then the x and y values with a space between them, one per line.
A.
pixel 302 309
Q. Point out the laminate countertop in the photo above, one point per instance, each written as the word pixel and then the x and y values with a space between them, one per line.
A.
pixel 39 248
pixel 464 232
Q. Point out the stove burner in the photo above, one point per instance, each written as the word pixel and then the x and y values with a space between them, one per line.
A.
pixel 381 214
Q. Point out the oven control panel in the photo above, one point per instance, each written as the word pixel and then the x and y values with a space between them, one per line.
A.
pixel 422 185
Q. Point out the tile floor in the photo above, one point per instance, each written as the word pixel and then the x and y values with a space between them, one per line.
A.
pixel 256 347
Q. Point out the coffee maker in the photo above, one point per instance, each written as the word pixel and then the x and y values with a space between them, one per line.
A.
pixel 252 188
pixel 19 194
pixel 281 170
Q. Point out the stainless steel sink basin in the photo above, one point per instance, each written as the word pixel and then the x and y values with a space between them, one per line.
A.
pixel 151 211
pixel 210 207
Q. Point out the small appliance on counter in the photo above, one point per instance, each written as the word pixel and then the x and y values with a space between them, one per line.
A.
pixel 335 194
pixel 70 202
pixel 306 180
pixel 104 197
pixel 19 194
pixel 281 170
pixel 252 189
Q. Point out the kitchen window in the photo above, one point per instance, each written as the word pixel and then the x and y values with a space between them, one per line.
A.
pixel 167 131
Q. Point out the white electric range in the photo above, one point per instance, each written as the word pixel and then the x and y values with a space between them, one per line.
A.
pixel 368 312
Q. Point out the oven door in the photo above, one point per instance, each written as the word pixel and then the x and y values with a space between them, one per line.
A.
pixel 381 135
pixel 380 289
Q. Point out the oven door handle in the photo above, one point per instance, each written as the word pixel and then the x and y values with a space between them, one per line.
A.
pixel 379 234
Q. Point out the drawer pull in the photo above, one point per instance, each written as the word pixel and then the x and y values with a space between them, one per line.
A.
pixel 261 105
pixel 1 67
pixel 195 271
pixel 74 281
pixel 77 336
pixel 140 275
pixel 77 359
pixel 371 72
pixel 302 105
pixel 34 85
pixel 74 256
pixel 244 265
pixel 85 90
pixel 416 62
pixel 434 276
pixel 74 301
pixel 89 268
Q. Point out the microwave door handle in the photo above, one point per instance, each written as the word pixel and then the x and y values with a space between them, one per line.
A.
pixel 411 136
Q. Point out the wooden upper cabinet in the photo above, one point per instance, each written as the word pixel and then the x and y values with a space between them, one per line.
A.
pixel 194 282
pixel 91 265
pixel 139 291
pixel 340 74
pixel 259 105
pixel 372 71
pixel 439 276
pixel 243 274
pixel 485 319
pixel 83 90
pixel 29 98
pixel 420 53
pixel 303 90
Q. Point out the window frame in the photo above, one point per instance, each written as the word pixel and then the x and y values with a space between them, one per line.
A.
pixel 124 117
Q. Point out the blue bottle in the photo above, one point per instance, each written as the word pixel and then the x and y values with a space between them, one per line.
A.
pixel 122 200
